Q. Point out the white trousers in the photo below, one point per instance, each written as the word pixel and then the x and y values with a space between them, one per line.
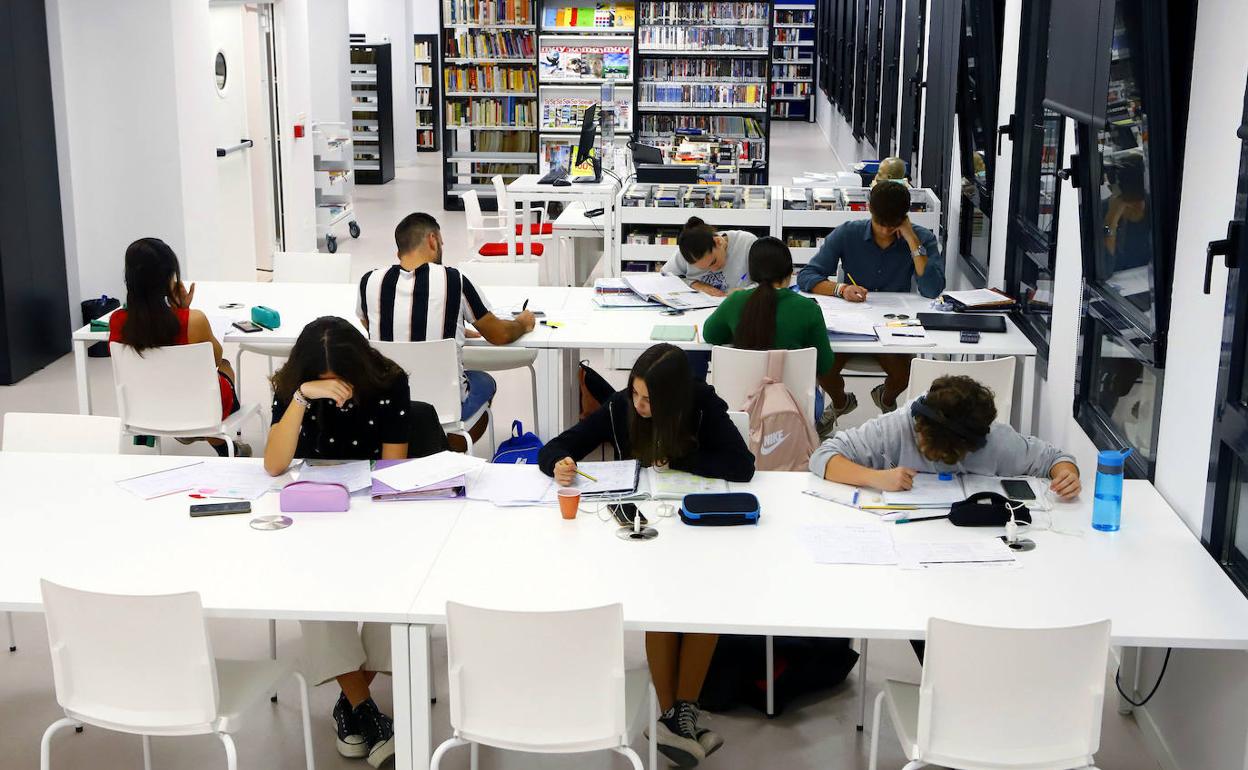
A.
pixel 331 649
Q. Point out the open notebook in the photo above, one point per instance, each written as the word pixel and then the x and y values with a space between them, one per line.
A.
pixel 929 491
pixel 518 485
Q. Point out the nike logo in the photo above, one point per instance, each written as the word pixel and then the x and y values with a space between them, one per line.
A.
pixel 772 441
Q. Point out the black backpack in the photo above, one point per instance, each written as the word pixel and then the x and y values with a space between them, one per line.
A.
pixel 802 665
pixel 426 436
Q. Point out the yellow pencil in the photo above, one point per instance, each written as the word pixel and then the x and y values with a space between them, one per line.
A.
pixel 851 278
pixel 888 507
pixel 586 475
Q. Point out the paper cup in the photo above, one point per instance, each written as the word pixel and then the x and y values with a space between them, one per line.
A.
pixel 569 502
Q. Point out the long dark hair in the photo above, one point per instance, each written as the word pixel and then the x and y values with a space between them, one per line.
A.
pixel 331 344
pixel 151 273
pixel 668 432
pixel 770 262
pixel 696 240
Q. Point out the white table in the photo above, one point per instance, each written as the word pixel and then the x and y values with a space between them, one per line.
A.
pixel 525 191
pixel 1153 579
pixel 578 233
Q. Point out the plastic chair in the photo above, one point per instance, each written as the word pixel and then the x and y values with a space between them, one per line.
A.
pixel 295 267
pixel 736 373
pixel 173 392
pixel 488 235
pixel 143 665
pixel 537 229
pixel 996 373
pixel 493 358
pixel 741 421
pixel 536 693
pixel 71 433
pixel 433 371
pixel 1001 698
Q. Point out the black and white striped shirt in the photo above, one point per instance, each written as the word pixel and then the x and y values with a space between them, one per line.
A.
pixel 431 302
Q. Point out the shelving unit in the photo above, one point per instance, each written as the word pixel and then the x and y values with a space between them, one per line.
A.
pixel 425 56
pixel 706 66
pixel 333 159
pixel 490 107
pixel 372 112
pixel 793 35
pixel 581 46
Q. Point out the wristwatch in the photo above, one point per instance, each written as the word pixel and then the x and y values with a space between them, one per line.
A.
pixel 301 399
pixel 919 252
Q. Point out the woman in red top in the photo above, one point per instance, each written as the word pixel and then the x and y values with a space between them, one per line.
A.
pixel 158 313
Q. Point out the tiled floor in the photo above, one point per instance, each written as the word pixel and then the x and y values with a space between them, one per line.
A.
pixel 819 734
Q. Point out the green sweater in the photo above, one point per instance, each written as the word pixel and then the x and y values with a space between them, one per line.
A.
pixel 799 324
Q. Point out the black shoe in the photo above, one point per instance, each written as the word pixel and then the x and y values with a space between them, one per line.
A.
pixel 351 743
pixel 378 731
pixel 678 735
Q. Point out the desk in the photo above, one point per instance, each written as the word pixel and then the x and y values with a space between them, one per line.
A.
pixel 573 226
pixel 1153 579
pixel 525 190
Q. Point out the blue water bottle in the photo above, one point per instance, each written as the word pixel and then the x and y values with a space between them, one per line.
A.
pixel 1107 504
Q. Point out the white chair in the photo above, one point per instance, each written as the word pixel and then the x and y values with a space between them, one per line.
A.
pixel 539 228
pixel 537 694
pixel 433 371
pixel 736 373
pixel 143 665
pixel 294 267
pixel 173 392
pixel 488 234
pixel 1001 698
pixel 741 421
pixel 497 359
pixel 996 373
pixel 71 433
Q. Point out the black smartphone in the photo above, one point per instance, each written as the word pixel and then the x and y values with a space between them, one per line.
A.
pixel 1018 489
pixel 220 509
pixel 970 336
pixel 247 327
pixel 624 513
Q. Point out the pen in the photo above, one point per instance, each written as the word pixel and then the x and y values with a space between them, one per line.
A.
pixel 896 334
pixel 525 306
pixel 557 325
pixel 907 520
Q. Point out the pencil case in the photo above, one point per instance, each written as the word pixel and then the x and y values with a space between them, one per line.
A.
pixel 308 496
pixel 723 509
pixel 266 317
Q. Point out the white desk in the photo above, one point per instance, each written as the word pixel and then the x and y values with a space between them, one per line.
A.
pixel 1152 579
pixel 525 190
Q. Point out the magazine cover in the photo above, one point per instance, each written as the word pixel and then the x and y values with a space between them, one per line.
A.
pixel 585 62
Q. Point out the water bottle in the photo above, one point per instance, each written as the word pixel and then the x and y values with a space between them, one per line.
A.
pixel 1107 504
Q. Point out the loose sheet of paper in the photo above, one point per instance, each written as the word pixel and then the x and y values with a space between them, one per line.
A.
pixel 850 544
pixel 619 476
pixel 424 471
pixel 353 474
pixel 685 300
pixel 903 336
pixel 928 492
pixel 160 483
pixel 973 297
pixel 969 552
pixel 238 481
pixel 506 484
pixel 647 284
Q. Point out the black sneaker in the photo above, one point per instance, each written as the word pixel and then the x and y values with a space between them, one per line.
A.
pixel 678 735
pixel 709 740
pixel 378 730
pixel 351 744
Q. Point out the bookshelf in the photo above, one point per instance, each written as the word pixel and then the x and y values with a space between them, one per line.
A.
pixel 490 95
pixel 793 36
pixel 581 45
pixel 428 77
pixel 705 66
pixel 372 112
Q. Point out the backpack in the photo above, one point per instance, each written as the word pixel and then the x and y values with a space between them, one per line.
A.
pixel 425 434
pixel 781 437
pixel 595 390
pixel 801 666
pixel 520 449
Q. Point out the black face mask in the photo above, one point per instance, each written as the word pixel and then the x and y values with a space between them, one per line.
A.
pixel 920 409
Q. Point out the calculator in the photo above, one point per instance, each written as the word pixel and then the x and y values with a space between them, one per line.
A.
pixel 971 337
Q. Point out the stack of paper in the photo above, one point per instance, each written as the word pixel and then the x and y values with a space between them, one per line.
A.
pixel 418 474
pixel 229 480
pixel 652 284
pixel 848 325
pixel 505 485
pixel 352 474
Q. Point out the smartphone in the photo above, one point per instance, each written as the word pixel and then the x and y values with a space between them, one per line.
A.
pixel 247 327
pixel 970 336
pixel 1018 489
pixel 624 513
pixel 220 509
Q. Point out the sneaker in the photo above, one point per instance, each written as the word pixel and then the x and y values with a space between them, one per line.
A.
pixel 851 403
pixel 351 744
pixel 678 735
pixel 709 740
pixel 378 730
pixel 877 395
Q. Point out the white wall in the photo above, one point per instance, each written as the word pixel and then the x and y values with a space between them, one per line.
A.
pixel 295 53
pixel 840 134
pixel 391 20
pixel 329 30
pixel 425 18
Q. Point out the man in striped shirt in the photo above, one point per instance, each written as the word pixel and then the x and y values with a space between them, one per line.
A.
pixel 419 299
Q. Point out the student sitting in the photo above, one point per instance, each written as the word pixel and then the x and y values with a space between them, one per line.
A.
pixel 951 428
pixel 158 313
pixel 419 300
pixel 337 398
pixel 881 254
pixel 713 263
pixel 770 316
pixel 666 420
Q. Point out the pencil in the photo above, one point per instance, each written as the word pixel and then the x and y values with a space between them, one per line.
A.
pixel 586 475
pixel 851 278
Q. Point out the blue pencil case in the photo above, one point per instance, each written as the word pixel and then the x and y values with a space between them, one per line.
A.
pixel 726 509
pixel 266 317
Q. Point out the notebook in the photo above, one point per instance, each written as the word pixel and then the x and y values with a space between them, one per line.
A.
pixel 673 332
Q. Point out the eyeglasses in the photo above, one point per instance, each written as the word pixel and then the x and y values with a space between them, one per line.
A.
pixel 897 316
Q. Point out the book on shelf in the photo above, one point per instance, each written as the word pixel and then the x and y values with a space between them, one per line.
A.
pixel 481 112
pixel 502 44
pixel 570 63
pixel 422 51
pixel 563 112
pixel 487 11
pixel 693 12
pixel 710 37
pixel 701 95
pixel 603 16
pixel 489 78
pixel 734 69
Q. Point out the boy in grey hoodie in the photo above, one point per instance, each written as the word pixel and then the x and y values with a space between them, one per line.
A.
pixel 951 428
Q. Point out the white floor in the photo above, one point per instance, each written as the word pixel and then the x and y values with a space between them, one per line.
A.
pixel 818 734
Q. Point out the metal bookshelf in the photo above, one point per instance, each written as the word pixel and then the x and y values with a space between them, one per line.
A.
pixel 428 76
pixel 793 37
pixel 372 112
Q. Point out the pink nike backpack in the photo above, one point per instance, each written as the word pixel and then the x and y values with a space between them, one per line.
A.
pixel 781 437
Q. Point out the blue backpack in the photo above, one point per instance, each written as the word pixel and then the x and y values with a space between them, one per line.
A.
pixel 520 449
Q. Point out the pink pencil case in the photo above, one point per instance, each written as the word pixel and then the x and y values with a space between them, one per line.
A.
pixel 311 496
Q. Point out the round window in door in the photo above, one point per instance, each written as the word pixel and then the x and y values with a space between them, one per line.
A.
pixel 220 71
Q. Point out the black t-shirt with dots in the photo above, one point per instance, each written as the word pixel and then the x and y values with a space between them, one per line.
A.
pixel 357 430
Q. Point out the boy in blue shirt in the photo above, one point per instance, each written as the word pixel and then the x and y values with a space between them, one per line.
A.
pixel 885 253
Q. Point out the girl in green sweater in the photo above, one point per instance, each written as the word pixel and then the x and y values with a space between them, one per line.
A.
pixel 770 317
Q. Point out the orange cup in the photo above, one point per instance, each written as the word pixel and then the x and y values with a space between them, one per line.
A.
pixel 569 502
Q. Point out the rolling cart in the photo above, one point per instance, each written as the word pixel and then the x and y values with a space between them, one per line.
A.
pixel 334 164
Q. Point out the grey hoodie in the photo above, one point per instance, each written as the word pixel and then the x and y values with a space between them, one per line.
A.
pixel 736 271
pixel 889 441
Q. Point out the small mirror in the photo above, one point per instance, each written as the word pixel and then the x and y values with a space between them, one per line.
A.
pixel 220 71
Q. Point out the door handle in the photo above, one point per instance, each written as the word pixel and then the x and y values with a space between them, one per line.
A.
pixel 1006 130
pixel 1072 172
pixel 1227 248
pixel 242 145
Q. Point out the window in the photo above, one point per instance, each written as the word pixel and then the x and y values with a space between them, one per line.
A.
pixel 891 51
pixel 912 57
pixel 862 36
pixel 979 59
pixel 875 39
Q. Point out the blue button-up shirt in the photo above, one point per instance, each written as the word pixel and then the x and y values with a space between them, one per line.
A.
pixel 876 269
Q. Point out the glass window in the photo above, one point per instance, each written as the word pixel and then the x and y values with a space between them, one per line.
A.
pixel 979 59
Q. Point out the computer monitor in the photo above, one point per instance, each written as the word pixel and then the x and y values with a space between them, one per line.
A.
pixel 585 145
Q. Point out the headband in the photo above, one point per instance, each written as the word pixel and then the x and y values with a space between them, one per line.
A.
pixel 919 408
